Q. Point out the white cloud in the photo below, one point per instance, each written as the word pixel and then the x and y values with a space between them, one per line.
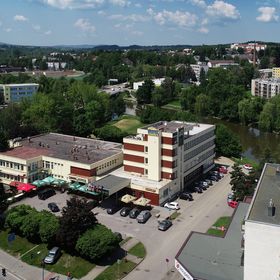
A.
pixel 121 3
pixel 36 27
pixel 74 4
pixel 20 18
pixel 221 9
pixel 267 14
pixel 132 17
pixel 182 19
pixel 49 32
pixel 203 30
pixel 199 3
pixel 84 25
pixel 8 29
pixel 137 33
pixel 101 13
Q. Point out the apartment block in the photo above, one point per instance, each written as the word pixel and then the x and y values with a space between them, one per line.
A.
pixel 197 69
pixel 276 72
pixel 15 92
pixel 265 88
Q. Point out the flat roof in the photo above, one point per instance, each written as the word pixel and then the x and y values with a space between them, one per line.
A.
pixel 66 147
pixel 112 183
pixel 268 188
pixel 208 257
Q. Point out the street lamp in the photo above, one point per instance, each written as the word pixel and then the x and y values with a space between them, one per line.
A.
pixel 119 261
pixel 43 267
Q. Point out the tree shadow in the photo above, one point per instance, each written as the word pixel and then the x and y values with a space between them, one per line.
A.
pixel 112 257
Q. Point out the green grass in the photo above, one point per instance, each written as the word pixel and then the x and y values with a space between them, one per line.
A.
pixel 175 215
pixel 138 250
pixel 175 103
pixel 245 160
pixel 128 124
pixel 116 271
pixel 223 221
pixel 125 240
pixel 77 266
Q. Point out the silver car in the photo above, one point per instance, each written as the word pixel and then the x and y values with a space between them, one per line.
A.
pixel 53 255
pixel 144 216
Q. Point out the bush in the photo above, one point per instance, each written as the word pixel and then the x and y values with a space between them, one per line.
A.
pixel 49 225
pixel 97 242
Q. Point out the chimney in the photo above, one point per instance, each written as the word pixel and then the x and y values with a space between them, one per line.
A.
pixel 271 208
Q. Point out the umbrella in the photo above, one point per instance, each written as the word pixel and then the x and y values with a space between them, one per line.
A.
pixel 58 182
pixel 75 186
pixel 25 187
pixel 48 180
pixel 128 198
pixel 142 201
pixel 39 183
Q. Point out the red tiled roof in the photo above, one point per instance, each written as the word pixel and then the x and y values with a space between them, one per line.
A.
pixel 25 152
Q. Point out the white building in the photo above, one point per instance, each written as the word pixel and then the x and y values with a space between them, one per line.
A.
pixel 221 63
pixel 157 83
pixel 249 47
pixel 262 228
pixel 265 88
pixel 197 69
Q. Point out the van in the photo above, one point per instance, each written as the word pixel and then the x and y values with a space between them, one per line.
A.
pixel 46 194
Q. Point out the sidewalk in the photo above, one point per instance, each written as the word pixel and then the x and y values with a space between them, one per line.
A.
pixel 24 271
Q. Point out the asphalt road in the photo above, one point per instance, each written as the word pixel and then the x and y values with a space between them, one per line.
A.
pixel 197 215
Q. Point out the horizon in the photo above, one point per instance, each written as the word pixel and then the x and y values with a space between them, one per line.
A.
pixel 132 22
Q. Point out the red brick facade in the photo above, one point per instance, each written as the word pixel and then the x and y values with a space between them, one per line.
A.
pixel 166 152
pixel 133 158
pixel 167 140
pixel 166 175
pixel 134 169
pixel 133 147
pixel 168 164
pixel 82 171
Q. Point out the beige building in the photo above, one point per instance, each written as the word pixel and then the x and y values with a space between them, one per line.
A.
pixel 73 159
pixel 276 72
pixel 265 88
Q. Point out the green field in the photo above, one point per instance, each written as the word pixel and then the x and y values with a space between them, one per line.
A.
pixel 223 221
pixel 138 250
pixel 173 105
pixel 245 160
pixel 116 271
pixel 77 266
pixel 128 124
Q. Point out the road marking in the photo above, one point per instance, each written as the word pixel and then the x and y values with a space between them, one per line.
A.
pixel 29 251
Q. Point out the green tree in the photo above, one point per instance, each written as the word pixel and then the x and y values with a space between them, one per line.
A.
pixel 144 92
pixel 48 227
pixel 227 143
pixel 3 140
pixel 201 105
pixel 110 133
pixel 97 242
pixel 76 218
pixel 158 96
pixel 30 225
pixel 3 197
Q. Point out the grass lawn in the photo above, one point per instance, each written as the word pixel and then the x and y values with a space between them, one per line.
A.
pixel 223 221
pixel 245 160
pixel 138 250
pixel 129 124
pixel 116 271
pixel 66 263
pixel 175 103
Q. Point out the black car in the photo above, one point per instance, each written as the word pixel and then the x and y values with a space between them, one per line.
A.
pixel 186 196
pixel 125 211
pixel 210 182
pixel 134 213
pixel 113 209
pixel 164 225
pixel 198 189
pixel 214 178
pixel 53 207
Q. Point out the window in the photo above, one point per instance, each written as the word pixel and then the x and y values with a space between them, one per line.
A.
pixel 146 171
pixel 146 149
pixel 165 193
pixel 146 160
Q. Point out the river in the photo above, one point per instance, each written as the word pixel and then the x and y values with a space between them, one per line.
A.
pixel 253 141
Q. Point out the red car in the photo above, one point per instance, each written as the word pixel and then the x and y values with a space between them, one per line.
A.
pixel 233 204
pixel 223 170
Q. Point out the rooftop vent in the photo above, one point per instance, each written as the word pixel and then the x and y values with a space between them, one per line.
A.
pixel 271 208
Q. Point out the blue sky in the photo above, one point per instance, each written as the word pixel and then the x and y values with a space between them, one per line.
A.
pixel 144 22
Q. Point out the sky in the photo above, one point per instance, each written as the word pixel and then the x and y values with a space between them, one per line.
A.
pixel 142 22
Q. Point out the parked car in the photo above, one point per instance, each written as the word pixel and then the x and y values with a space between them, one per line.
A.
pixel 232 204
pixel 186 196
pixel 229 197
pixel 53 255
pixel 125 211
pixel 144 216
pixel 53 207
pixel 164 225
pixel 223 170
pixel 44 194
pixel 204 183
pixel 113 209
pixel 172 205
pixel 134 213
pixel 210 182
pixel 248 166
pixel 198 189
pixel 214 178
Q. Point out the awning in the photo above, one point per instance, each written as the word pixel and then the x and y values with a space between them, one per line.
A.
pixel 39 183
pixel 48 180
pixel 74 186
pixel 58 182
pixel 142 201
pixel 127 198
pixel 22 186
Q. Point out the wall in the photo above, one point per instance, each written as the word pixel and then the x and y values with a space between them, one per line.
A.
pixel 262 251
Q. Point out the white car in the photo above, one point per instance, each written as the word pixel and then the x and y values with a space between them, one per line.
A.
pixel 248 166
pixel 172 205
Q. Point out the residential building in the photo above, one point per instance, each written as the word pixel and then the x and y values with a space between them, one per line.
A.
pixel 71 158
pixel 276 72
pixel 221 63
pixel 164 157
pixel 265 73
pixel 197 69
pixel 16 92
pixel 249 47
pixel 262 231
pixel 157 83
pixel 265 88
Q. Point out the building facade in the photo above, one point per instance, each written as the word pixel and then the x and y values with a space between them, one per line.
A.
pixel 167 156
pixel 276 72
pixel 16 92
pixel 157 83
pixel 70 158
pixel 265 88
pixel 197 69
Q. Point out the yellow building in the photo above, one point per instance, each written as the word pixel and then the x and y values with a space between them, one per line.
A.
pixel 276 72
